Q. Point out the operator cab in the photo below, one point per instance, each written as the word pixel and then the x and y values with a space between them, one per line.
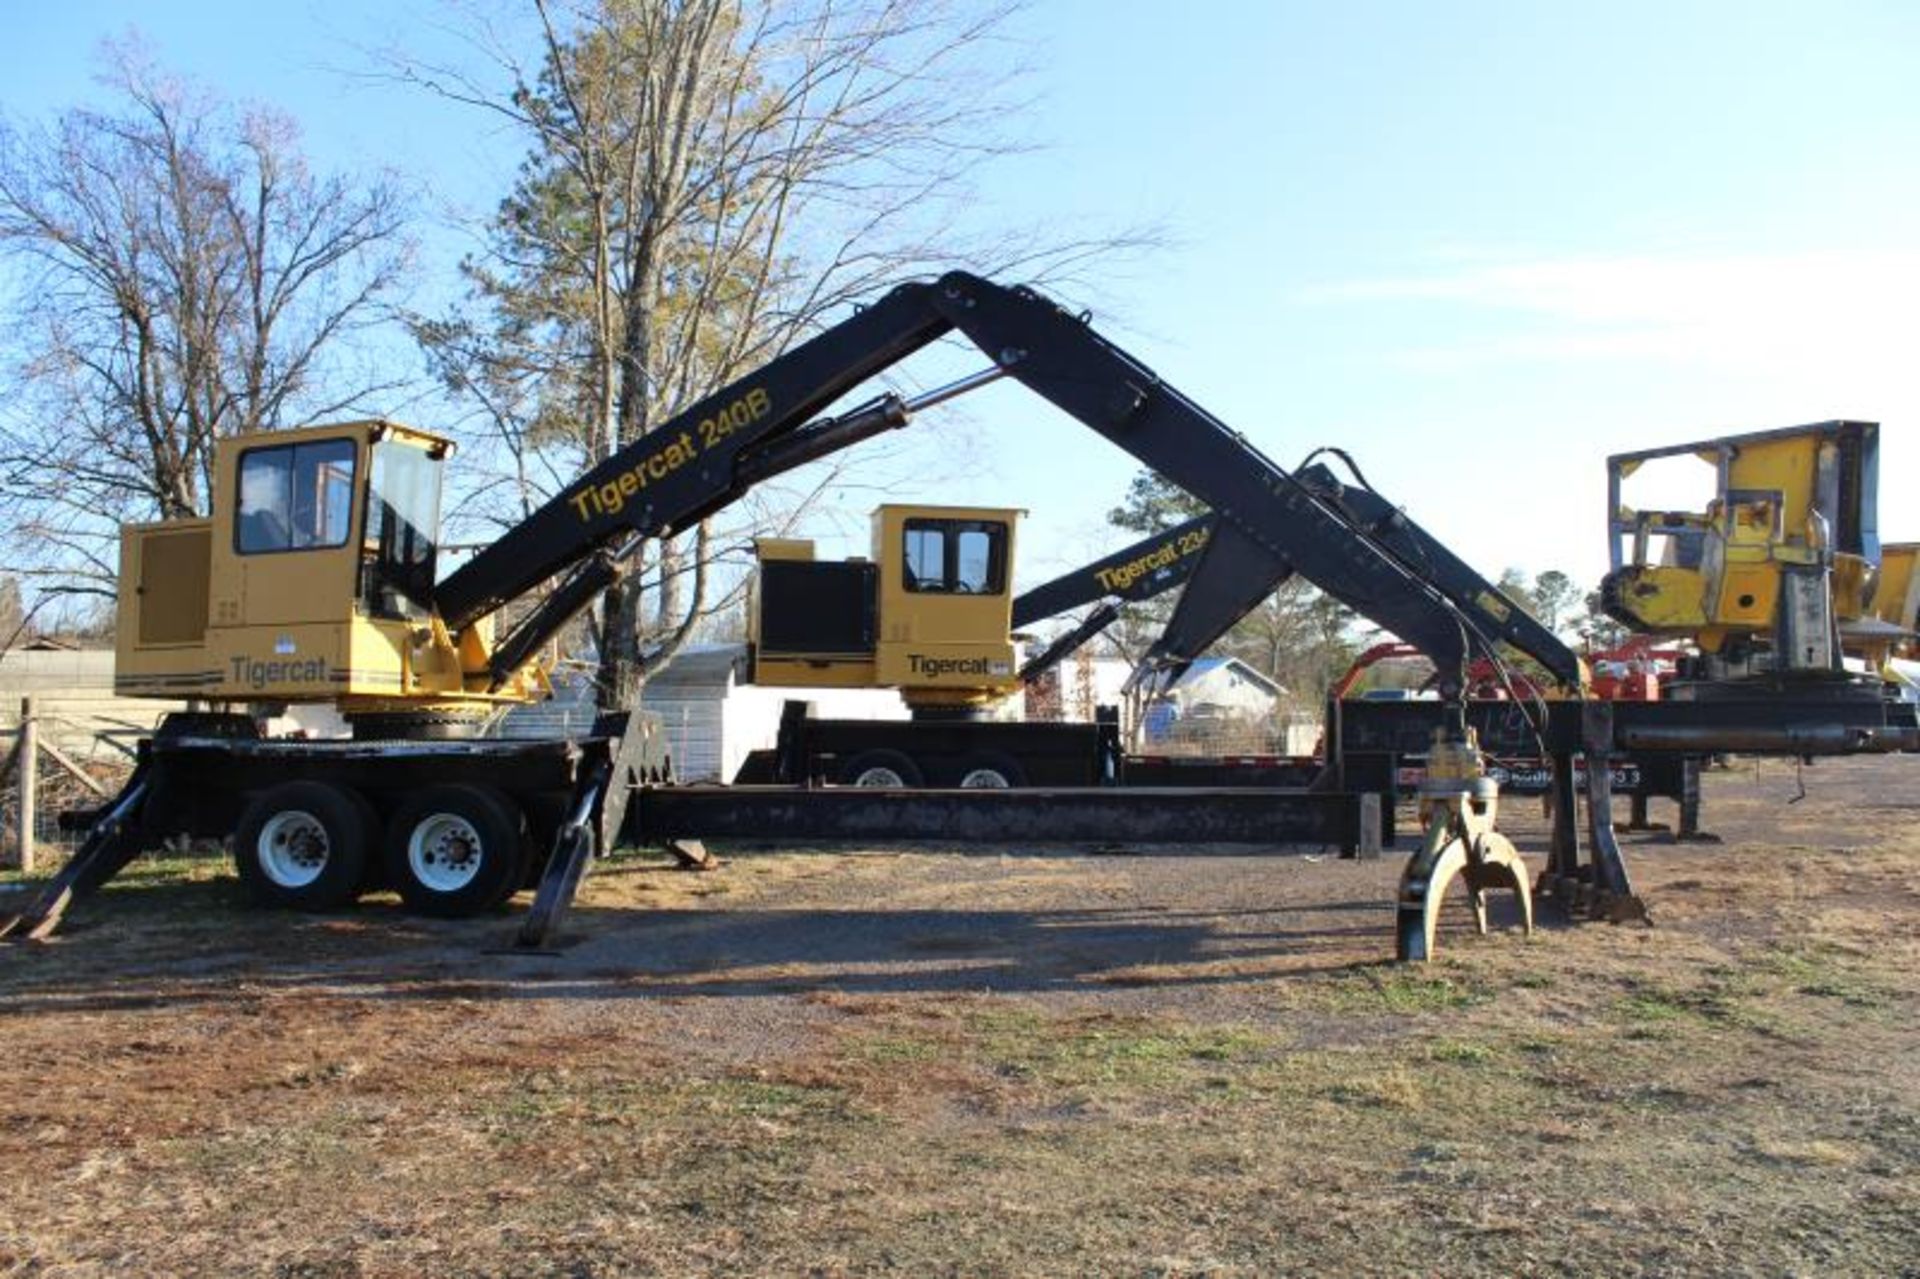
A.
pixel 930 613
pixel 300 494
pixel 307 582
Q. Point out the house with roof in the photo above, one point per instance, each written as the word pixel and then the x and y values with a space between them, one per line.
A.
pixel 1225 687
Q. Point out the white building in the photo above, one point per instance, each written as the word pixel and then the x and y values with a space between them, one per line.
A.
pixel 713 718
pixel 1226 686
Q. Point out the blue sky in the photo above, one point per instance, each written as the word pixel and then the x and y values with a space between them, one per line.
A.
pixel 1480 245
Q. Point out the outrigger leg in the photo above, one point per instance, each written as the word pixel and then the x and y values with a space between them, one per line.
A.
pixel 1459 804
pixel 626 750
pixel 1600 888
pixel 112 841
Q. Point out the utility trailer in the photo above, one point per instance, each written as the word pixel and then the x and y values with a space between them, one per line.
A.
pixel 815 752
pixel 992 754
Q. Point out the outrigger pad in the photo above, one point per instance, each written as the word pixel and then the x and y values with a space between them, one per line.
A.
pixel 693 854
pixel 1577 897
pixel 565 868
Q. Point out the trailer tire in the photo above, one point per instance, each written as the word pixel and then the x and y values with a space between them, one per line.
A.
pixel 989 770
pixel 881 768
pixel 453 851
pixel 304 845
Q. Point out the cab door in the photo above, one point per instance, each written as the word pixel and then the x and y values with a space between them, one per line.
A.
pixel 285 552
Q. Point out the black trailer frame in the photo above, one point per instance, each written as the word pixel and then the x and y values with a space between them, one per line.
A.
pixel 1369 742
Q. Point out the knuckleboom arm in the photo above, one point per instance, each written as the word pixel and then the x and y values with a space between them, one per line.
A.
pixel 1065 361
pixel 1151 566
pixel 696 463
pixel 704 458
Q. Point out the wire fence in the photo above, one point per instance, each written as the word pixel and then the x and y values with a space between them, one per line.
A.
pixel 1228 735
pixel 53 762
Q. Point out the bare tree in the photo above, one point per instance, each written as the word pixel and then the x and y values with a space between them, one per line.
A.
pixel 707 182
pixel 178 275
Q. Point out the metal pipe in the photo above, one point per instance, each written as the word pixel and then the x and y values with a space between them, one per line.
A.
pixel 953 390
pixel 554 612
pixel 830 435
pixel 821 438
pixel 1818 739
pixel 1096 621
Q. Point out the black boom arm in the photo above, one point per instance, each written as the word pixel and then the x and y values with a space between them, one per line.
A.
pixel 1151 566
pixel 762 424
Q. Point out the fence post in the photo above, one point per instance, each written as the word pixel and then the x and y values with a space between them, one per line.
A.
pixel 29 779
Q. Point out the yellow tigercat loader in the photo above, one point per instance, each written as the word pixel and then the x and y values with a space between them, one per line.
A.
pixel 315 579
pixel 1771 578
pixel 930 614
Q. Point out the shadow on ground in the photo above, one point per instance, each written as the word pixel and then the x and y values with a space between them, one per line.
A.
pixel 174 943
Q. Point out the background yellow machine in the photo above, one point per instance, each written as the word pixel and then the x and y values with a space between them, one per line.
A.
pixel 930 613
pixel 1895 603
pixel 1773 576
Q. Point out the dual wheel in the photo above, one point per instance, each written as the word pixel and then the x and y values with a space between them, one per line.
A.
pixel 893 769
pixel 448 850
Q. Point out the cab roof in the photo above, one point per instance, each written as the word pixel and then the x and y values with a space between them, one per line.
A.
pixel 371 428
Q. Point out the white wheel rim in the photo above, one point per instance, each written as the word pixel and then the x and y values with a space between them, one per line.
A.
pixel 879 775
pixel 292 848
pixel 444 852
pixel 985 779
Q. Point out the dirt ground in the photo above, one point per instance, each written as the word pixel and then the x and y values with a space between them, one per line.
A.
pixel 1031 1063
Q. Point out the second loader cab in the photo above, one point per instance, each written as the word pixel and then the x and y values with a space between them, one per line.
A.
pixel 930 613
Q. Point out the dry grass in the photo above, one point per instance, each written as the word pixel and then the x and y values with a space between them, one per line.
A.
pixel 201 1090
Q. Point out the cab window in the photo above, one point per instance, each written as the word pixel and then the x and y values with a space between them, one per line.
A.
pixel 403 513
pixel 955 557
pixel 295 497
pixel 926 557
